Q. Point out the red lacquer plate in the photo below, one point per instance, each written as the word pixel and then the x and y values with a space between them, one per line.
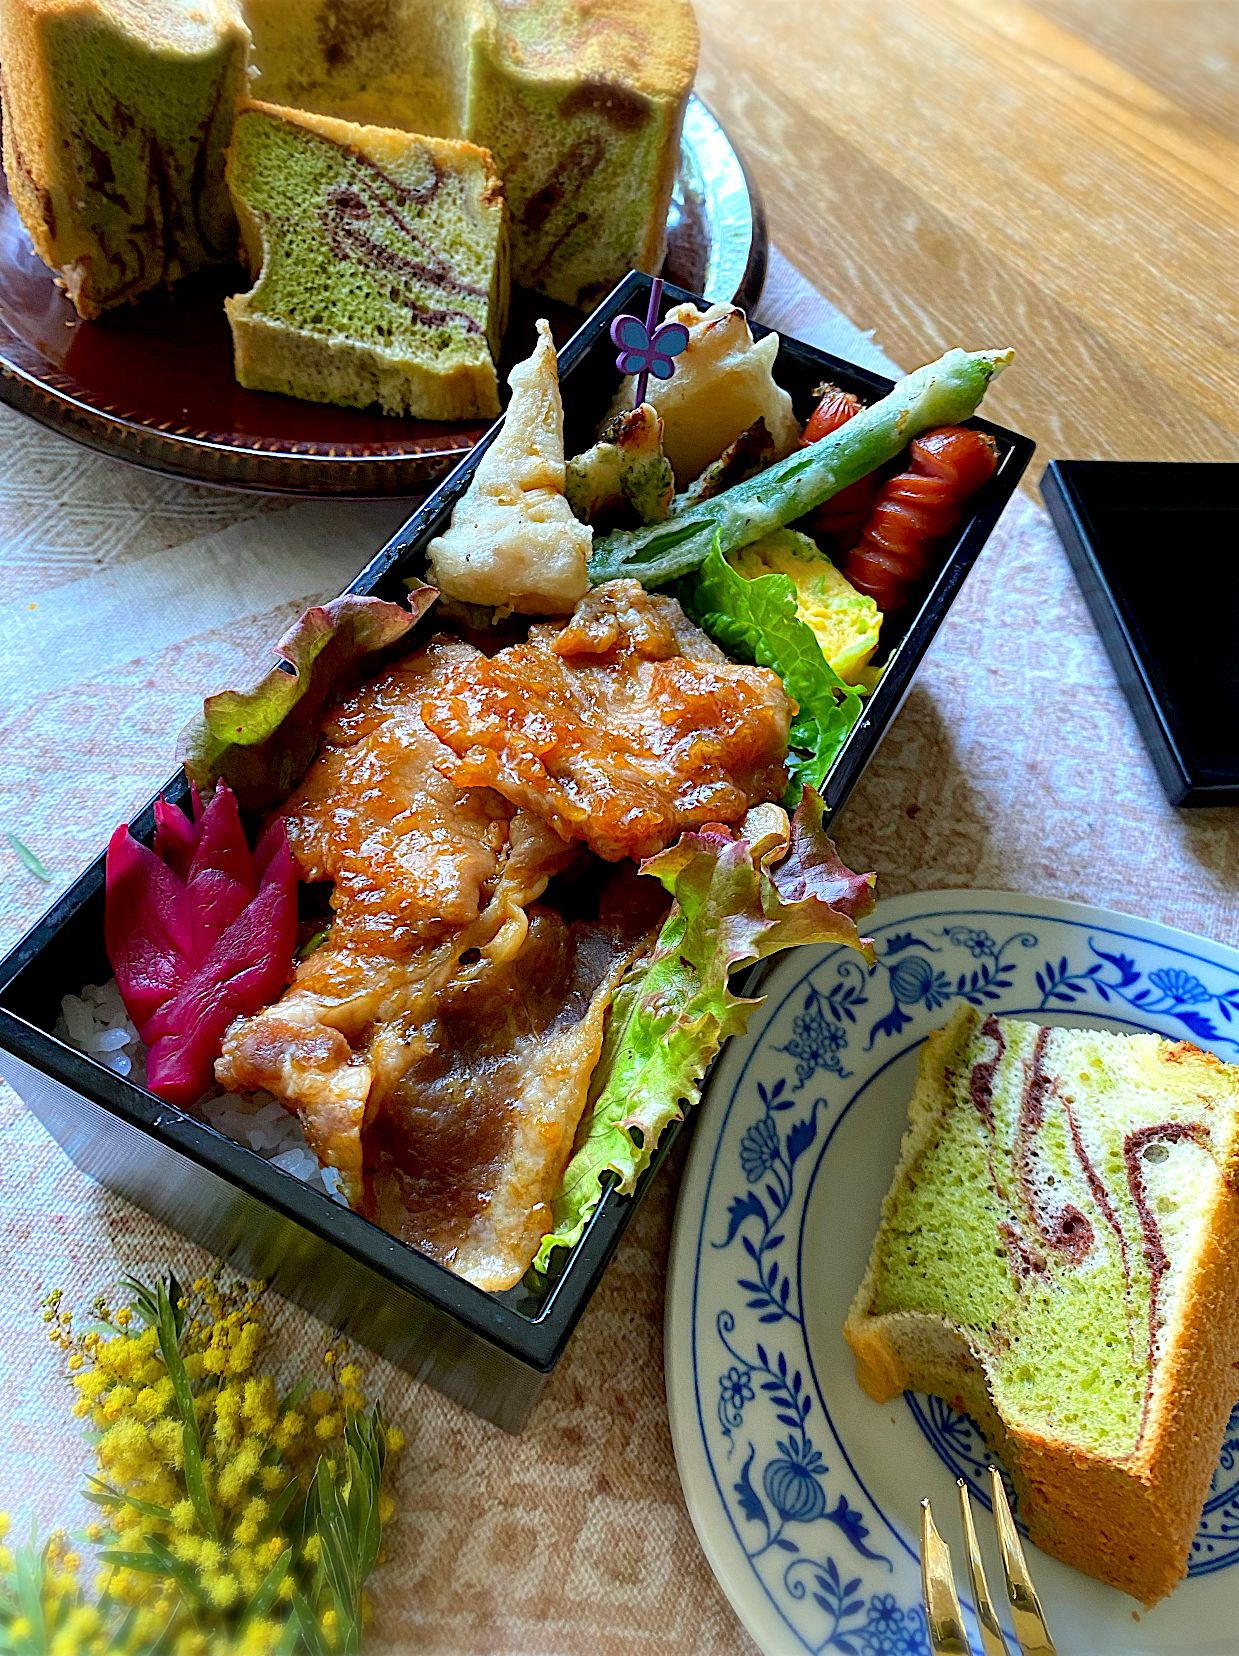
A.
pixel 152 383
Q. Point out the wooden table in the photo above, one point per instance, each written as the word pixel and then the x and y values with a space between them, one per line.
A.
pixel 1061 176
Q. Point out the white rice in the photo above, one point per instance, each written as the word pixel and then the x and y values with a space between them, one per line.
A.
pixel 97 1024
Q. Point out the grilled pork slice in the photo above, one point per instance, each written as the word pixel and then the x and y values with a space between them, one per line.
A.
pixel 438 1047
pixel 621 728
pixel 473 1135
pixel 424 872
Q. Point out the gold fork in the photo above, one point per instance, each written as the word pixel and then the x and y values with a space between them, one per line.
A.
pixel 946 1623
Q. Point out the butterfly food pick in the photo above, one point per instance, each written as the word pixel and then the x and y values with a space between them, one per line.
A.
pixel 645 349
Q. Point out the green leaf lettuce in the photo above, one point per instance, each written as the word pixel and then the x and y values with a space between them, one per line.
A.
pixel 738 898
pixel 261 741
pixel 755 620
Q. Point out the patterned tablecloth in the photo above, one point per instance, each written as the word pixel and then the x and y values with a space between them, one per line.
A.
pixel 1015 763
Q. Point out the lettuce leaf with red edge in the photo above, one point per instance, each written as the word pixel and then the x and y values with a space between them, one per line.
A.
pixel 738 898
pixel 261 741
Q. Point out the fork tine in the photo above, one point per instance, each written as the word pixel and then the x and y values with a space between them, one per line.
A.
pixel 942 1612
pixel 1026 1615
pixel 992 1641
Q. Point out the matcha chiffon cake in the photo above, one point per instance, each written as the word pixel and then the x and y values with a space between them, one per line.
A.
pixel 1059 1256
pixel 429 150
pixel 580 102
pixel 380 262
pixel 117 114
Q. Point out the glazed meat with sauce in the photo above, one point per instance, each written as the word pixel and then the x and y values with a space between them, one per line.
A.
pixel 423 872
pixel 471 1143
pixel 409 852
pixel 439 1046
pixel 621 728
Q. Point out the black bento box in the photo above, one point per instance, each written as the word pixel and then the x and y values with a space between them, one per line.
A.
pixel 491 1352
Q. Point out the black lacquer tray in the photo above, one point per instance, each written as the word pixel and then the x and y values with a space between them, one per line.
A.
pixel 1123 524
pixel 489 1351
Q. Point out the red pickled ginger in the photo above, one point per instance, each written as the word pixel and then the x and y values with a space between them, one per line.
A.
pixel 199 930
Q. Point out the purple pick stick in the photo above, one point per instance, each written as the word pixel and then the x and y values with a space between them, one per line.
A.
pixel 651 317
pixel 644 349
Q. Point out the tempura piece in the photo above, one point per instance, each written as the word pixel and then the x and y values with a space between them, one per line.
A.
pixel 621 728
pixel 625 474
pixel 752 451
pixel 722 384
pixel 513 541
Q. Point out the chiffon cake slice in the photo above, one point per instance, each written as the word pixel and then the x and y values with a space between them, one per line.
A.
pixel 117 115
pixel 1059 1257
pixel 380 261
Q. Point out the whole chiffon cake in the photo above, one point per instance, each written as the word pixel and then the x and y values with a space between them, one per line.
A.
pixel 117 114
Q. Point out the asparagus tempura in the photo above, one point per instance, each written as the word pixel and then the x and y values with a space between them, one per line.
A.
pixel 945 392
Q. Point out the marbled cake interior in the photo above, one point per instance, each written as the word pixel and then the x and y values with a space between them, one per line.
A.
pixel 1051 1213
pixel 349 246
pixel 380 264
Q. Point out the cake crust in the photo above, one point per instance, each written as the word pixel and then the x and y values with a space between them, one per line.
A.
pixel 647 47
pixel 1126 1519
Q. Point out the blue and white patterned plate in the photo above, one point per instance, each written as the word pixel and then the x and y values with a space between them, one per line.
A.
pixel 805 1493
